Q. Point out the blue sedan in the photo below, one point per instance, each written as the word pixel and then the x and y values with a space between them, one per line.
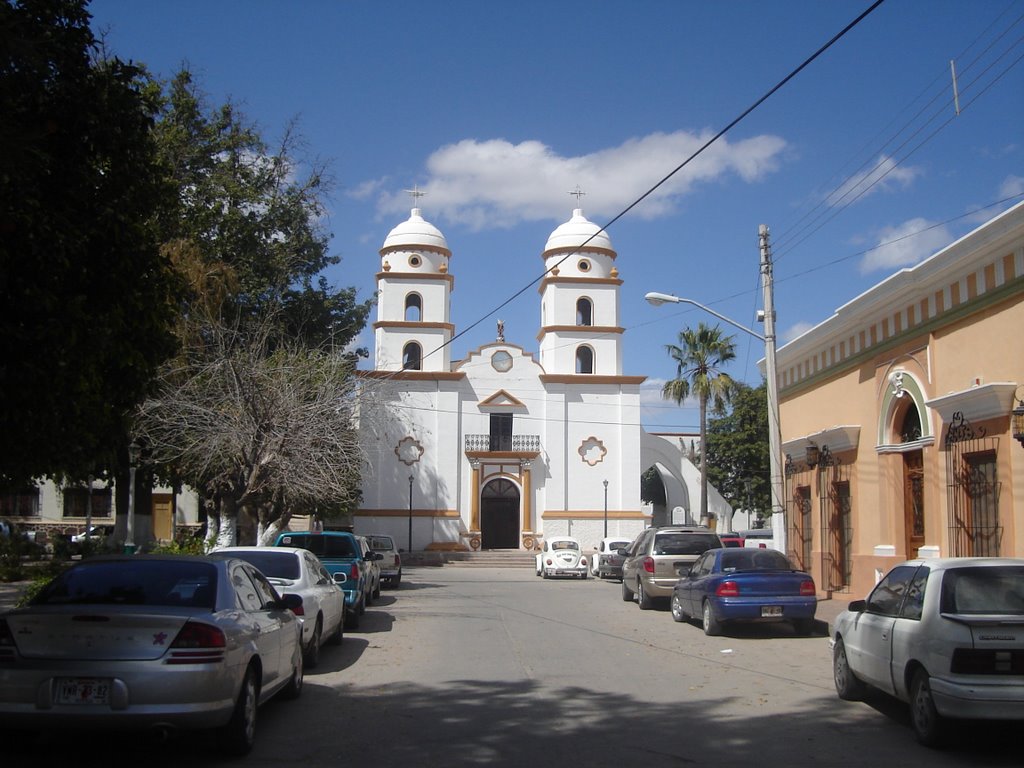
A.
pixel 749 585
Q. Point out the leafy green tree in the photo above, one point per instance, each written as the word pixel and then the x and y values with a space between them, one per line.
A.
pixel 737 447
pixel 265 339
pixel 86 297
pixel 652 489
pixel 247 225
pixel 700 357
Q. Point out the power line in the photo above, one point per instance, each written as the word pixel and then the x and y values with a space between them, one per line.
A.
pixel 835 38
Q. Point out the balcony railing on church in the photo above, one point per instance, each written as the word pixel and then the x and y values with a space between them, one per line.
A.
pixel 512 443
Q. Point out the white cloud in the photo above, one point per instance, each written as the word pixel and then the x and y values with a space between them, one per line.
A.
pixel 651 397
pixel 906 244
pixel 883 175
pixel 495 183
pixel 1011 186
pixel 796 330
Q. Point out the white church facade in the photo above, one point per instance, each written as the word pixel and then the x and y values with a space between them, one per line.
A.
pixel 508 445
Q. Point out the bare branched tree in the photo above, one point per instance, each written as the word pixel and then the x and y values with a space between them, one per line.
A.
pixel 263 428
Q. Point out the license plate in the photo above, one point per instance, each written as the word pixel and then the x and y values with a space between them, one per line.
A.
pixel 83 690
pixel 769 611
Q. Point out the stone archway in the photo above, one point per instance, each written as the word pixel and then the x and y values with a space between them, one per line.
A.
pixel 499 515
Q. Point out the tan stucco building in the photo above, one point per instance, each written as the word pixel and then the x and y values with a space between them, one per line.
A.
pixel 896 416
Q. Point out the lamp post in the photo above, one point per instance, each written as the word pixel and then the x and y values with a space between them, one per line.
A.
pixel 778 490
pixel 88 508
pixel 410 513
pixel 606 509
pixel 134 452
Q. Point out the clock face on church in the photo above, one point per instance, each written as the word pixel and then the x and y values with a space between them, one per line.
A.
pixel 501 361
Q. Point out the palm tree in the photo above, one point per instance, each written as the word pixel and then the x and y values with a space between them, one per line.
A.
pixel 699 358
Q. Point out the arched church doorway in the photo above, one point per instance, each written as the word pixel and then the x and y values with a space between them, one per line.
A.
pixel 499 515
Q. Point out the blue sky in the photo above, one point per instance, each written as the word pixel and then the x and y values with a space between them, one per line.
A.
pixel 498 110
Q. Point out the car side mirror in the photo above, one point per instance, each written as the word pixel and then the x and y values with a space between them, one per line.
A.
pixel 857 606
pixel 291 601
pixel 622 552
pixel 340 577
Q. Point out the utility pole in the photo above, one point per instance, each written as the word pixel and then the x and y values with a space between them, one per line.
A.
pixel 778 480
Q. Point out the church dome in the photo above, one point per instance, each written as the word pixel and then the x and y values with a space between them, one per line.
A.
pixel 576 231
pixel 415 232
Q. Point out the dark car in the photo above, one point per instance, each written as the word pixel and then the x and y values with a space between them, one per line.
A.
pixel 750 585
pixel 341 552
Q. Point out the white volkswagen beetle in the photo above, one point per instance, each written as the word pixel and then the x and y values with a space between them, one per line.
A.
pixel 562 556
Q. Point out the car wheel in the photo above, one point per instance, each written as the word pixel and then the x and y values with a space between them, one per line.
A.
pixel 363 602
pixel 712 626
pixel 312 652
pixel 338 635
pixel 376 592
pixel 294 688
pixel 848 687
pixel 642 598
pixel 678 614
pixel 368 597
pixel 928 724
pixel 585 575
pixel 627 594
pixel 397 580
pixel 238 736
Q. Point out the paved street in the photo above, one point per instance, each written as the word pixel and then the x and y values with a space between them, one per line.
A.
pixel 487 666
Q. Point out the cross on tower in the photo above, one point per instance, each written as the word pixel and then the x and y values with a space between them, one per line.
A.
pixel 579 193
pixel 414 193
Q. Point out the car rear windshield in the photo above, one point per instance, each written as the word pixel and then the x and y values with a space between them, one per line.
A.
pixel 320 545
pixel 617 545
pixel 564 545
pixel 380 543
pixel 754 560
pixel 984 590
pixel 275 565
pixel 684 543
pixel 134 582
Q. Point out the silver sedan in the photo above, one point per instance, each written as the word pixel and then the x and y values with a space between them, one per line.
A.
pixel 151 642
pixel 298 571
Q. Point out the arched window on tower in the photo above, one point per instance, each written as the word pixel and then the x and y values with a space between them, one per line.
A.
pixel 584 360
pixel 413 308
pixel 584 312
pixel 412 357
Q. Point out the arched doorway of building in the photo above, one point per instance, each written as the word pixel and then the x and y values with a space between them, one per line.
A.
pixel 499 515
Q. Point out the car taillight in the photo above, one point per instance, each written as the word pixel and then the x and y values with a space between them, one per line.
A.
pixel 649 564
pixel 353 571
pixel 299 610
pixel 198 643
pixel 398 560
pixel 548 561
pixel 583 561
pixel 728 589
pixel 807 589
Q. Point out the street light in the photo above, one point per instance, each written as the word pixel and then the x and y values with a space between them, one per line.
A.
pixel 134 452
pixel 605 509
pixel 410 513
pixel 778 489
